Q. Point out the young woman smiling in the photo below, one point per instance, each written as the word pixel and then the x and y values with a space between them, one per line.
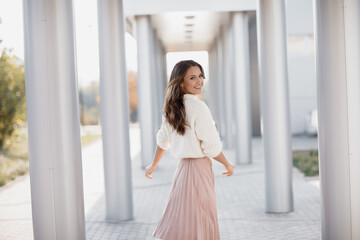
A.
pixel 189 131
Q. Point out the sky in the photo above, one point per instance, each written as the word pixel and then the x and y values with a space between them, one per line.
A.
pixel 11 27
pixel 11 32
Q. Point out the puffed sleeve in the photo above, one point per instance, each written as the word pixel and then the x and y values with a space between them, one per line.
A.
pixel 163 135
pixel 206 131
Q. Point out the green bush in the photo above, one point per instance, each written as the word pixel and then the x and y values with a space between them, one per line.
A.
pixel 307 162
pixel 12 92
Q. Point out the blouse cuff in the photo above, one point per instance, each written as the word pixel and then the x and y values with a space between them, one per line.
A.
pixel 165 145
pixel 215 151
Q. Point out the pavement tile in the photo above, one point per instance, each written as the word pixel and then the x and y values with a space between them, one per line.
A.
pixel 240 199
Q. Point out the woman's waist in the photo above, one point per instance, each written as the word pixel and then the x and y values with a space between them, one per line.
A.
pixel 194 158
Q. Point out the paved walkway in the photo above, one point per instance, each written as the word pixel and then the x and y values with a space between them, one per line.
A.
pixel 241 200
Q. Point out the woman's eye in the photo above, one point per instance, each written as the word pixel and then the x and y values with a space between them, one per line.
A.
pixel 192 78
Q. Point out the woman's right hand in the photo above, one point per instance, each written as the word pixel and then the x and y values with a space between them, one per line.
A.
pixel 230 169
pixel 149 170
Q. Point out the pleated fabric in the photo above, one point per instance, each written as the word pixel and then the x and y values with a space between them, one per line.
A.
pixel 191 210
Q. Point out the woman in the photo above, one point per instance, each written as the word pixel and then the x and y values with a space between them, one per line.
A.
pixel 188 127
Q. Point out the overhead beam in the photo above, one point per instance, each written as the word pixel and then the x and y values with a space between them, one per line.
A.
pixel 141 7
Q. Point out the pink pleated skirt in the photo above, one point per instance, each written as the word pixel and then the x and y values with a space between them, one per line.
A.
pixel 191 210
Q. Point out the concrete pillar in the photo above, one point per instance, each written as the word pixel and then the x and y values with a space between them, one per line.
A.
pixel 207 84
pixel 114 110
pixel 159 96
pixel 155 82
pixel 160 79
pixel 220 84
pixel 337 37
pixel 163 67
pixel 213 82
pixel 210 83
pixel 227 75
pixel 275 105
pixel 241 80
pixel 144 89
pixel 53 120
pixel 254 76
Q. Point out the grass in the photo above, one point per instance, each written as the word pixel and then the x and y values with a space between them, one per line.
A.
pixel 307 162
pixel 12 168
pixel 14 158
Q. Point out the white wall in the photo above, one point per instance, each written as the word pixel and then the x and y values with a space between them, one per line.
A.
pixel 302 90
pixel 301 62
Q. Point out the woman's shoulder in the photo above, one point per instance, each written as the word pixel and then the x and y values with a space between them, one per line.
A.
pixel 196 103
pixel 197 106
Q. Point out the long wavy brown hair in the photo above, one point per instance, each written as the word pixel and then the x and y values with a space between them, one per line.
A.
pixel 174 108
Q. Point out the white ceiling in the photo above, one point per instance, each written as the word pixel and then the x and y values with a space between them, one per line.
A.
pixel 169 19
pixel 188 31
pixel 152 7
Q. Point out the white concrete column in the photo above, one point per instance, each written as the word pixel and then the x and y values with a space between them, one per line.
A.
pixel 213 84
pixel 160 78
pixel 242 98
pixel 337 37
pixel 275 105
pixel 211 81
pixel 163 70
pixel 155 82
pixel 227 75
pixel 220 84
pixel 53 120
pixel 160 81
pixel 159 96
pixel 166 79
pixel 208 82
pixel 144 89
pixel 254 73
pixel 114 110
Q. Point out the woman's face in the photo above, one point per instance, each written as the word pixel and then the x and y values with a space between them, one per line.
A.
pixel 193 81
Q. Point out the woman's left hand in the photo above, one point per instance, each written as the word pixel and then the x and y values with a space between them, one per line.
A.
pixel 230 169
pixel 149 170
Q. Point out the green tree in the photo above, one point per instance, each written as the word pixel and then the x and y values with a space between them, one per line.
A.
pixel 12 95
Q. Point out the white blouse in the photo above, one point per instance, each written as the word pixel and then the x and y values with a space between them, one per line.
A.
pixel 200 139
